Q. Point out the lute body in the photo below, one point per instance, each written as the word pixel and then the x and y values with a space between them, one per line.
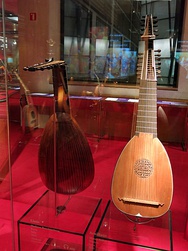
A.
pixel 65 160
pixel 142 180
pixel 72 170
pixel 142 183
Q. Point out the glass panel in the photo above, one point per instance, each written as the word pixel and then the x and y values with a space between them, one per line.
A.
pixel 7 49
pixel 101 47
pixel 100 41
pixel 104 48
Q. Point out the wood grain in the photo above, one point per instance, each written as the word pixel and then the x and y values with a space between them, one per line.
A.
pixel 157 187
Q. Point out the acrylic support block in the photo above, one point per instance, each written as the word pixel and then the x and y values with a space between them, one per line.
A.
pixel 57 222
pixel 116 232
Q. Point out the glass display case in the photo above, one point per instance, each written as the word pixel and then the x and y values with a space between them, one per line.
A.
pixel 58 222
pixel 96 96
pixel 116 231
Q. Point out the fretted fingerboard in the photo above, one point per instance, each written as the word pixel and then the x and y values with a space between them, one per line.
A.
pixel 147 110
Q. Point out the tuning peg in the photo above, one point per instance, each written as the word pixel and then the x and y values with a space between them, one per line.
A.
pixel 30 68
pixel 155 21
pixel 139 61
pixel 158 73
pixel 139 66
pixel 158 68
pixel 49 67
pixel 49 60
pixel 26 69
pixel 158 60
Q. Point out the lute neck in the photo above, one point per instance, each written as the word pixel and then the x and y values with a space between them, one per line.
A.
pixel 147 108
pixel 60 84
pixel 60 89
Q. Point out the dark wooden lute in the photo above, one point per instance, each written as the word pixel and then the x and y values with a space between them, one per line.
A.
pixel 65 160
pixel 142 183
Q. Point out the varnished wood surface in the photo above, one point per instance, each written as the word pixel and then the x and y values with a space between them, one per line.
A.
pixel 66 165
pixel 126 183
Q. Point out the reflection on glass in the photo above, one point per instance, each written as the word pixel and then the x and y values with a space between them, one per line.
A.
pixel 103 38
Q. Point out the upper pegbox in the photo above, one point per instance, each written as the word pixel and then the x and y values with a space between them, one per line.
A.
pixel 148 23
pixel 47 65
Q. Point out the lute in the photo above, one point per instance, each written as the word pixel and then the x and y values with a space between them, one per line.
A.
pixel 142 183
pixel 29 111
pixel 65 160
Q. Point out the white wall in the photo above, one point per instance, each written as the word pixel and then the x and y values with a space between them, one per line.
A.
pixel 38 40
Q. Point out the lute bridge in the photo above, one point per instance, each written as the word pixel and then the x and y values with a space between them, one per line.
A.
pixel 141 202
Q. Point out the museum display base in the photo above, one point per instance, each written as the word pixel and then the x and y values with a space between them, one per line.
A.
pixel 118 232
pixel 57 222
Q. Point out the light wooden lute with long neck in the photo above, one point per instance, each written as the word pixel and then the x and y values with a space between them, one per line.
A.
pixel 142 183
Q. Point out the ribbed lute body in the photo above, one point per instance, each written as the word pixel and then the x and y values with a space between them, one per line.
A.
pixel 65 160
pixel 70 168
pixel 142 183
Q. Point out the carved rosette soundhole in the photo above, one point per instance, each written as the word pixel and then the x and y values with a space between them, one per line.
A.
pixel 143 168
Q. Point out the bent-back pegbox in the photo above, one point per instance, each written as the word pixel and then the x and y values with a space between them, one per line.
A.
pixel 65 160
pixel 142 183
